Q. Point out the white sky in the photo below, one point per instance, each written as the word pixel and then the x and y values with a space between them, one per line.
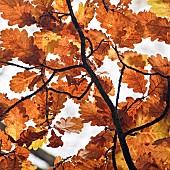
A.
pixel 73 142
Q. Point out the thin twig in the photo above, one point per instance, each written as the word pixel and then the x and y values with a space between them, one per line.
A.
pixel 134 69
pixel 19 66
pixel 28 96
pixel 158 118
pixel 70 95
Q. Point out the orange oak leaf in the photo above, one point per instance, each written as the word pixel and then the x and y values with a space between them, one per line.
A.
pixel 65 48
pixel 61 6
pixel 130 107
pixel 30 135
pixel 160 64
pixel 132 37
pixel 107 85
pixel 55 141
pixel 21 81
pixel 125 2
pixel 85 13
pixel 21 153
pixel 91 152
pixel 5 56
pixel 134 59
pixel 135 80
pixel 114 23
pixel 56 102
pixel 27 165
pixel 21 45
pixel 42 5
pixel 97 113
pixel 33 112
pixel 70 125
pixel 15 122
pixel 143 18
pixel 158 86
pixel 5 143
pixel 7 163
pixel 18 12
pixel 159 28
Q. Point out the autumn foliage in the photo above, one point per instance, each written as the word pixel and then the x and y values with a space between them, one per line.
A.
pixel 135 132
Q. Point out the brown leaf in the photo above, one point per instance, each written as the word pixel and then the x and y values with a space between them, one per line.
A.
pixel 70 125
pixel 135 80
pixel 21 153
pixel 30 135
pixel 158 86
pixel 55 141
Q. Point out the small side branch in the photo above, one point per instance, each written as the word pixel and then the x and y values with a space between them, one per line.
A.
pixel 28 96
pixel 70 95
pixel 165 112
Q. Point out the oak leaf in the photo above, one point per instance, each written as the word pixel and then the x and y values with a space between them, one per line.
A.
pixel 69 125
pixel 85 13
pixel 97 112
pixel 159 29
pixel 46 40
pixel 61 6
pixel 56 102
pixel 160 64
pixel 21 153
pixel 26 165
pixel 10 164
pixel 55 141
pixel 22 12
pixel 38 143
pixel 5 143
pixel 134 59
pixel 21 45
pixel 30 135
pixel 43 5
pixel 158 86
pixel 33 112
pixel 91 152
pixel 15 122
pixel 161 8
pixel 5 56
pixel 135 80
pixel 21 81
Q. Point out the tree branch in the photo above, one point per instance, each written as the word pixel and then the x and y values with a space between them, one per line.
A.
pixel 106 98
pixel 72 96
pixel 28 96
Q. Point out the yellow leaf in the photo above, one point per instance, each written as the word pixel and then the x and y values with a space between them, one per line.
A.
pixel 85 13
pixel 46 40
pixel 160 7
pixel 38 143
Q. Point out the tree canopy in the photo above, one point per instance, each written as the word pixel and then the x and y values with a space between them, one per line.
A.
pixel 136 131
